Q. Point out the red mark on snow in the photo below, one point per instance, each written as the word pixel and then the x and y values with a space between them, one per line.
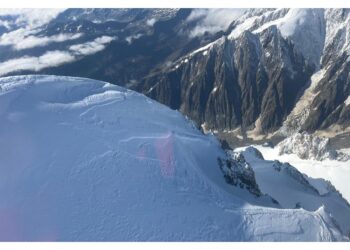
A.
pixel 165 154
pixel 141 153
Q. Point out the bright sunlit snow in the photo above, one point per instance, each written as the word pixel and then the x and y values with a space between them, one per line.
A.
pixel 294 190
pixel 87 160
pixel 337 172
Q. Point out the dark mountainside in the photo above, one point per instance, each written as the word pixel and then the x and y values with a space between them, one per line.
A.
pixel 250 75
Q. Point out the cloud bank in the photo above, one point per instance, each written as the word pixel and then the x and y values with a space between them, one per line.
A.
pixel 151 22
pixel 22 39
pixel 54 58
pixel 212 20
pixel 25 24
pixel 92 47
pixel 49 59
pixel 30 18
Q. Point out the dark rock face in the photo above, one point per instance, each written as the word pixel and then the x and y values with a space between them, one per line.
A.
pixel 251 80
pixel 332 90
pixel 256 79
pixel 123 62
pixel 126 59
pixel 236 82
pixel 239 173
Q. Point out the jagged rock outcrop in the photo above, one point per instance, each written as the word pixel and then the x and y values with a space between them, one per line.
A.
pixel 332 91
pixel 260 73
pixel 307 146
pixel 254 77
pixel 239 173
pixel 236 81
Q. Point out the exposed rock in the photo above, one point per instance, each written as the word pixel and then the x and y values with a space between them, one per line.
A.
pixel 239 173
pixel 251 75
pixel 254 77
pixel 307 146
pixel 236 82
pixel 254 152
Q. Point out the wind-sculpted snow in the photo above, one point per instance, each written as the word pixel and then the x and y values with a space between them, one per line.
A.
pixel 83 160
pixel 292 189
pixel 336 172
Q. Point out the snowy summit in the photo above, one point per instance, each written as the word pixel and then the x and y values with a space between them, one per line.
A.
pixel 90 161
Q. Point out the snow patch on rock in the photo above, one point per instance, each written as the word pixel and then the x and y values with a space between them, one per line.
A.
pixel 347 101
pixel 307 146
pixel 238 172
pixel 301 111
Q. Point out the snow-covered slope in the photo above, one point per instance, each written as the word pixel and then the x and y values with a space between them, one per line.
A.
pixel 337 172
pixel 86 160
pixel 305 27
pixel 313 31
pixel 295 190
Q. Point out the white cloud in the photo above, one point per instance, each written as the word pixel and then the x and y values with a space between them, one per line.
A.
pixel 25 23
pixel 23 39
pixel 31 18
pixel 5 24
pixel 54 58
pixel 151 22
pixel 92 47
pixel 212 20
pixel 130 39
pixel 24 27
pixel 49 59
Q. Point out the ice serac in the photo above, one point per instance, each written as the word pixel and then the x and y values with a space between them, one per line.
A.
pixel 83 160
